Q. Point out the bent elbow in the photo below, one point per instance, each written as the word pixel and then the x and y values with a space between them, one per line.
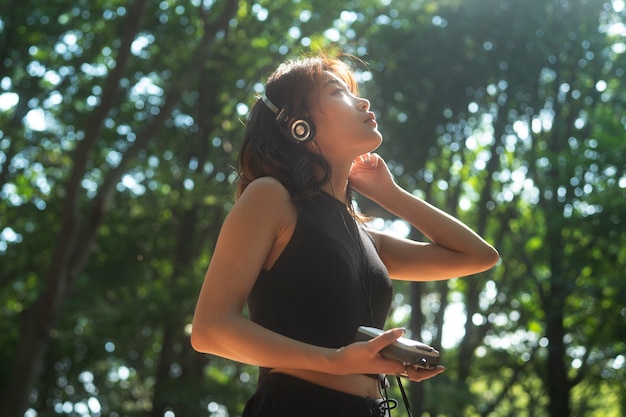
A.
pixel 489 257
pixel 196 340
pixel 200 338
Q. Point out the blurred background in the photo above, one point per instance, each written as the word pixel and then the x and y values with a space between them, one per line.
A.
pixel 119 127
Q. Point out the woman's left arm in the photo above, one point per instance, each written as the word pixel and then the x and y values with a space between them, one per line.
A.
pixel 455 250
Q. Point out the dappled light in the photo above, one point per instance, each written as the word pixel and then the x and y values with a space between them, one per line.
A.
pixel 120 124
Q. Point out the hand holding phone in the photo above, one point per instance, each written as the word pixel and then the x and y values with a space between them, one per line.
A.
pixel 407 351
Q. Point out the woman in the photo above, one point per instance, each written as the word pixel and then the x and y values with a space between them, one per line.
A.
pixel 310 271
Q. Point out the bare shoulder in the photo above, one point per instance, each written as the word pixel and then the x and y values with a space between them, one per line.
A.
pixel 264 194
pixel 266 207
pixel 265 199
pixel 266 187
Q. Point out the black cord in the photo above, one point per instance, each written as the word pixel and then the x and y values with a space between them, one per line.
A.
pixel 387 404
pixel 404 396
pixel 367 286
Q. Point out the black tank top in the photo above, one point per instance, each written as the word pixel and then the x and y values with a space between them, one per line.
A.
pixel 328 280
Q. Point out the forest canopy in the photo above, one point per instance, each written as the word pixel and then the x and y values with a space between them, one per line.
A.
pixel 120 123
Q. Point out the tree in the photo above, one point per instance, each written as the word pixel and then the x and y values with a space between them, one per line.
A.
pixel 518 104
pixel 116 115
pixel 118 123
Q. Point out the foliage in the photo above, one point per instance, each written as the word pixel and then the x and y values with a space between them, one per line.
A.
pixel 521 100
pixel 119 123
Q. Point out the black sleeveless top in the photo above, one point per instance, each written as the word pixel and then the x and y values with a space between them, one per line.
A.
pixel 328 281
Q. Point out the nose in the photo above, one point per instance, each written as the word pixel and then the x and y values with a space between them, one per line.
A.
pixel 363 103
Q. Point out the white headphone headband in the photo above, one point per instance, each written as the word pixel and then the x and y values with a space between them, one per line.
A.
pixel 269 104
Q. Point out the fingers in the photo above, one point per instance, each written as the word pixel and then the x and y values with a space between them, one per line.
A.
pixel 369 352
pixel 387 338
pixel 420 374
pixel 380 342
pixel 368 159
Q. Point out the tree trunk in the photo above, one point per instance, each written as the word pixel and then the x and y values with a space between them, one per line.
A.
pixel 556 378
pixel 416 391
pixel 557 381
pixel 74 242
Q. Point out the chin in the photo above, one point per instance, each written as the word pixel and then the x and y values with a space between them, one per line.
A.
pixel 378 141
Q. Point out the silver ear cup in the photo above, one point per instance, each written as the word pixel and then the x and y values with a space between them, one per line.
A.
pixel 301 130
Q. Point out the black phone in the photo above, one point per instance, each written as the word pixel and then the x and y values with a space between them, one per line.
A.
pixel 408 351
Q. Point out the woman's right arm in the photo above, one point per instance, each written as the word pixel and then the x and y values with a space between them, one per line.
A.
pixel 248 234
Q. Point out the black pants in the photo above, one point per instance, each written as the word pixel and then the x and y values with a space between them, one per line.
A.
pixel 280 395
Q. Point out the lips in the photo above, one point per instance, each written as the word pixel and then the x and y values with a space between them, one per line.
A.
pixel 370 118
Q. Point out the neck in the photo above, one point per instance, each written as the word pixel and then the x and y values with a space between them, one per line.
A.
pixel 338 184
pixel 340 171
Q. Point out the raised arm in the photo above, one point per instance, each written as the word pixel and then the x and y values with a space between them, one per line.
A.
pixel 454 249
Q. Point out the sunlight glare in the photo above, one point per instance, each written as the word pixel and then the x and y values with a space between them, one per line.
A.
pixel 453 325
pixel 36 120
pixel 8 101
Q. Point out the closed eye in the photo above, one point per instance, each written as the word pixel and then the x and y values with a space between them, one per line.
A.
pixel 338 86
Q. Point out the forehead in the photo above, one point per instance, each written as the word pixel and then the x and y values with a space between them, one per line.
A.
pixel 329 79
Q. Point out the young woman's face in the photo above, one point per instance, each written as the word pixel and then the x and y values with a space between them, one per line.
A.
pixel 345 126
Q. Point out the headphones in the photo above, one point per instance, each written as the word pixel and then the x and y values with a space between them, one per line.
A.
pixel 298 130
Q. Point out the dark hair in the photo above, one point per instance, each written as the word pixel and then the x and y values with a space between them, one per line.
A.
pixel 265 151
